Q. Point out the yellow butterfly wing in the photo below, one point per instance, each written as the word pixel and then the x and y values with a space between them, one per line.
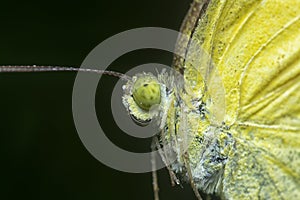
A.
pixel 254 46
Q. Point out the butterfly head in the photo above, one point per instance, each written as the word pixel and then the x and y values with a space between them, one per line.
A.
pixel 145 98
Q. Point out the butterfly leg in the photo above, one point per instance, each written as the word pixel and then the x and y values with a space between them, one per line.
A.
pixel 193 185
pixel 174 179
pixel 154 173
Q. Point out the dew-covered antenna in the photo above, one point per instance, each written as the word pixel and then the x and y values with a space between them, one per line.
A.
pixel 34 68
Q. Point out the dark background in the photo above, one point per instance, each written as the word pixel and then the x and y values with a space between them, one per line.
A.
pixel 42 156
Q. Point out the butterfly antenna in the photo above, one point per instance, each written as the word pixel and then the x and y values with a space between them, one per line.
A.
pixel 35 68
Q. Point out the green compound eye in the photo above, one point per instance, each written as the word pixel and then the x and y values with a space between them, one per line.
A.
pixel 146 92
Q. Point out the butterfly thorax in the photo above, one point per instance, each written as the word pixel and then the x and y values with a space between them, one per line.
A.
pixel 199 145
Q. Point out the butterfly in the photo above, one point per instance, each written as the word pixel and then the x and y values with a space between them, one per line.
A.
pixel 234 119
pixel 239 106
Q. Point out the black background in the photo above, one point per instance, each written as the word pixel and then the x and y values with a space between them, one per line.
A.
pixel 42 156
